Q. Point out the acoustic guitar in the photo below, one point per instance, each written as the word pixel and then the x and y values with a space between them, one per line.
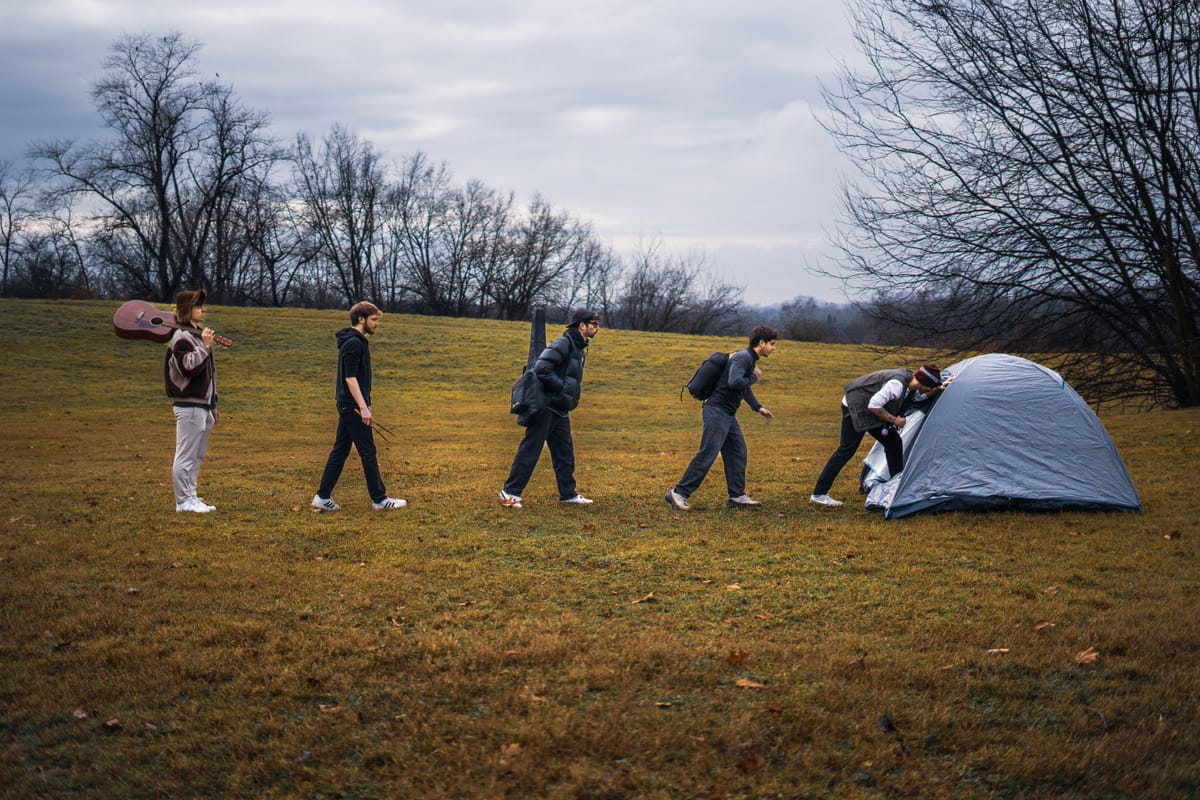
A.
pixel 137 319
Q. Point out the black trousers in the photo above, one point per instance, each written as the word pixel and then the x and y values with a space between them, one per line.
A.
pixel 889 437
pixel 554 431
pixel 351 430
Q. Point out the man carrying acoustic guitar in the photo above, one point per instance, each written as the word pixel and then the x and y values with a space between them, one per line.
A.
pixel 191 377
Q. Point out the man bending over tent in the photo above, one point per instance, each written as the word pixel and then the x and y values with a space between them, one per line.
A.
pixel 875 404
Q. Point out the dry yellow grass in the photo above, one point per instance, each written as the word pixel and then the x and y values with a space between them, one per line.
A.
pixel 459 649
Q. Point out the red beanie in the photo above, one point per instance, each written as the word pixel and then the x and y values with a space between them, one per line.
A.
pixel 929 375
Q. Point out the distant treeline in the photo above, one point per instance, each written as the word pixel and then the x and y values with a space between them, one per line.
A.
pixel 190 189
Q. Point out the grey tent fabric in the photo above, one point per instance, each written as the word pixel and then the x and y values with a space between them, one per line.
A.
pixel 876 477
pixel 1007 433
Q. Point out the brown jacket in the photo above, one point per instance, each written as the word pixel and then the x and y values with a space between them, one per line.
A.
pixel 190 371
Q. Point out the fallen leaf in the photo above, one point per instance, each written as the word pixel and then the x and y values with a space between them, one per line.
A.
pixel 1172 535
pixel 113 724
pixel 746 683
pixel 1050 590
pixel 647 599
pixel 764 615
pixel 998 650
pixel 328 708
pixel 733 587
pixel 1087 656
pixel 511 750
pixel 588 528
pixel 1041 626
pixel 529 696
pixel 662 704
pixel 736 657
pixel 131 590
pixel 79 713
pixel 752 764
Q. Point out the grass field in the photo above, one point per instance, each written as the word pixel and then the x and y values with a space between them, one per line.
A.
pixel 457 649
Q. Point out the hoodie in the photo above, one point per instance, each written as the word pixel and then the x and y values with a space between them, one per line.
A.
pixel 354 361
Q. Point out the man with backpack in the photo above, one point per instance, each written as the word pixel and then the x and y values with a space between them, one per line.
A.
pixel 560 370
pixel 722 435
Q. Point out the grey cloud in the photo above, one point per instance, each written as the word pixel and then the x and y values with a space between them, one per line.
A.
pixel 686 121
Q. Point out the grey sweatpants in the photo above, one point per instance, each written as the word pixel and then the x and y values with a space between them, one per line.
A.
pixel 193 424
pixel 721 436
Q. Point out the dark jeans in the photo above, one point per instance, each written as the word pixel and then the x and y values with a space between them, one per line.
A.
pixel 722 435
pixel 889 437
pixel 351 430
pixel 546 428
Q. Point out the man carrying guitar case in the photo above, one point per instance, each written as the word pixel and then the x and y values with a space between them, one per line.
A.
pixel 559 371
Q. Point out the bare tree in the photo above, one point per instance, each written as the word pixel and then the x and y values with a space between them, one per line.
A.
pixel 663 291
pixel 342 188
pixel 544 248
pixel 656 289
pixel 596 280
pixel 180 147
pixel 1026 162
pixel 18 208
pixel 449 238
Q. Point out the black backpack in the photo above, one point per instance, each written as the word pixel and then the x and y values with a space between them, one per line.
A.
pixel 706 376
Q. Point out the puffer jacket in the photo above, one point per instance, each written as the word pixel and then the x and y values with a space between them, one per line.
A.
pixel 560 369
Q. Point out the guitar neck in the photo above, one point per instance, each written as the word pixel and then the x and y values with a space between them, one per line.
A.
pixel 221 340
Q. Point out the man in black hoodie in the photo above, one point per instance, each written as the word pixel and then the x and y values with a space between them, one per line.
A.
pixel 354 413
pixel 560 369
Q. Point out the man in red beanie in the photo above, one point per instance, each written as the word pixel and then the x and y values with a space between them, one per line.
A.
pixel 875 404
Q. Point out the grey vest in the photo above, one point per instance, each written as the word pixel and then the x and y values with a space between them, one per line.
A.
pixel 860 391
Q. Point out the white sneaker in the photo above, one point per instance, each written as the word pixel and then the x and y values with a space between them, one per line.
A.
pixel 743 500
pixel 200 500
pixel 194 505
pixel 578 500
pixel 824 500
pixel 324 503
pixel 677 501
pixel 509 500
pixel 389 502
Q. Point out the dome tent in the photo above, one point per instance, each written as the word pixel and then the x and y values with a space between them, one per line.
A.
pixel 1007 433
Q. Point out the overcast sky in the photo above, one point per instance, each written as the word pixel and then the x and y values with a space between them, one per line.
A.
pixel 693 123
